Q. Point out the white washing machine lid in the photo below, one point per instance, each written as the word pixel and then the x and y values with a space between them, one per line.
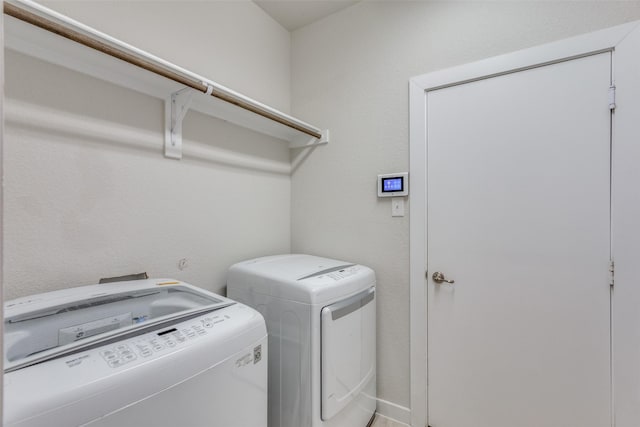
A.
pixel 302 278
pixel 54 324
pixel 97 382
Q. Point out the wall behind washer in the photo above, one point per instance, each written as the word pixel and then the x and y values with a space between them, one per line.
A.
pixel 350 72
pixel 234 43
pixel 88 192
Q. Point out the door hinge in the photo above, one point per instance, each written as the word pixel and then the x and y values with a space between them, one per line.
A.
pixel 611 273
pixel 612 97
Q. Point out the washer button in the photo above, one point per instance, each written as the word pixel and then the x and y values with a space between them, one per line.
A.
pixel 115 363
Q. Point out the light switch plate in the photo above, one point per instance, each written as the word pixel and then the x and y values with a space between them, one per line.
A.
pixel 397 206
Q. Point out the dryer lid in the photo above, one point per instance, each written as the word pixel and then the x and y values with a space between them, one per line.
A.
pixel 49 325
pixel 298 277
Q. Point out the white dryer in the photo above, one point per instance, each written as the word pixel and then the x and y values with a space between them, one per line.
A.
pixel 321 319
pixel 139 353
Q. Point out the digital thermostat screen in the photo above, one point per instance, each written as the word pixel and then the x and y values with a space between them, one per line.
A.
pixel 391 184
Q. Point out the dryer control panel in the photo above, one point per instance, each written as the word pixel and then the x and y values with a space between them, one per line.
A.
pixel 343 273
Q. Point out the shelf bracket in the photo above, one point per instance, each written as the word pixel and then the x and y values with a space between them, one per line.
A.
pixel 304 142
pixel 176 107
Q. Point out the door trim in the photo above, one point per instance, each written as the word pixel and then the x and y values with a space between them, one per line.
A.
pixel 576 47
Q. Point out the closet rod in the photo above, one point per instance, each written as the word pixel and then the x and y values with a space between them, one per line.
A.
pixel 157 68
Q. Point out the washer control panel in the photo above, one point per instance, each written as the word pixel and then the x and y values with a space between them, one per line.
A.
pixel 146 345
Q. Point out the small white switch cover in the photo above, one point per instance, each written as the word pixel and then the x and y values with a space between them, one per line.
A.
pixel 397 206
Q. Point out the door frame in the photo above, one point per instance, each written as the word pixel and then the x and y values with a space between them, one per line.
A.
pixel 576 47
pixel 1 207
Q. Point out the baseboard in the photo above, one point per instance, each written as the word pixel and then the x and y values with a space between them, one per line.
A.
pixel 394 412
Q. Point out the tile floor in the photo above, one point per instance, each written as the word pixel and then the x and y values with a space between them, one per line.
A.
pixel 381 421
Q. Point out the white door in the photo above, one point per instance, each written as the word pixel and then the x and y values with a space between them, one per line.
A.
pixel 518 183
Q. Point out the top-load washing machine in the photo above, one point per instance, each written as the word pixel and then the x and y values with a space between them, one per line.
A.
pixel 156 353
pixel 321 320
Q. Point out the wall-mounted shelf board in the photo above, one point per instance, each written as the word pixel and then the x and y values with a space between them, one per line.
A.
pixel 151 79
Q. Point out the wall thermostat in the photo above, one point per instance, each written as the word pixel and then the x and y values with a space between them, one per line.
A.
pixel 393 184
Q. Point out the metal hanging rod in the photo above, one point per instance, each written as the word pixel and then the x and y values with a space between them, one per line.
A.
pixel 119 50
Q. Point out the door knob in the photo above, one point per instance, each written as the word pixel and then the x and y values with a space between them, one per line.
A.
pixel 439 278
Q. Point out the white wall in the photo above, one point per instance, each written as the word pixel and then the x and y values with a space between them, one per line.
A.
pixel 234 43
pixel 350 74
pixel 88 193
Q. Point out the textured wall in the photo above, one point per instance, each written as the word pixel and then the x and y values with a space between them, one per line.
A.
pixel 350 74
pixel 88 192
pixel 234 43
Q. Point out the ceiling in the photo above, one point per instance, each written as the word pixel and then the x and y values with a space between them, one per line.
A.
pixel 293 14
